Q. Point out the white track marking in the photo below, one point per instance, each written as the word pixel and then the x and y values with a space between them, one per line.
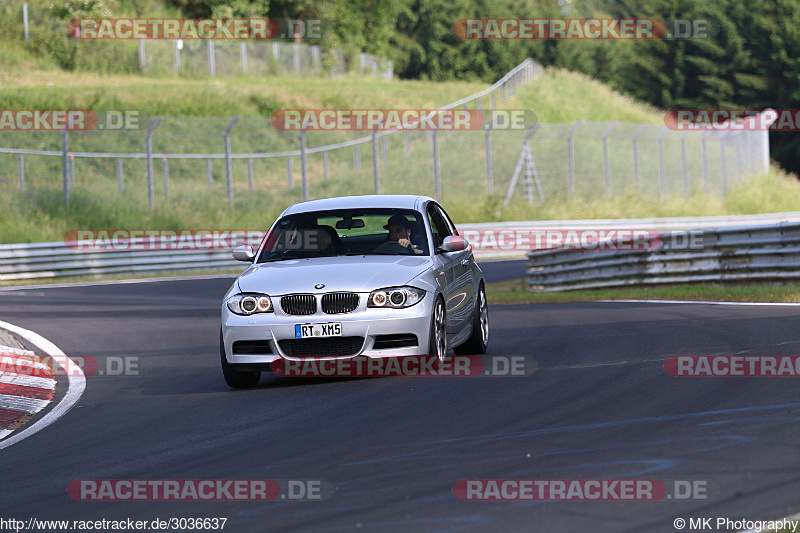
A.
pixel 784 304
pixel 77 384
pixel 9 378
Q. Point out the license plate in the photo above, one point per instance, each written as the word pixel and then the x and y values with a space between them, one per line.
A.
pixel 308 331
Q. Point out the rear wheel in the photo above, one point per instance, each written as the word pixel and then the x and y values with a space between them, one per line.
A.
pixel 234 378
pixel 479 340
pixel 438 338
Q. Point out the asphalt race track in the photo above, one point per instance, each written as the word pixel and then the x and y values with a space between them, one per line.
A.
pixel 600 406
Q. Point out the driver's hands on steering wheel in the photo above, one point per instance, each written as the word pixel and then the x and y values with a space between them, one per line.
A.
pixel 406 243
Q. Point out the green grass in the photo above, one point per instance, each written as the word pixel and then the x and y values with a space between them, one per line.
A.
pixel 516 292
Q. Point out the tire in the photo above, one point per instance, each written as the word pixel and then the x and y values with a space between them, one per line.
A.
pixel 234 378
pixel 437 345
pixel 479 340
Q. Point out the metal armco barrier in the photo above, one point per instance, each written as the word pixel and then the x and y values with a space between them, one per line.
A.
pixel 735 254
pixel 55 260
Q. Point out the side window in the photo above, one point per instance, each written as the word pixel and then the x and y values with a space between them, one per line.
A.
pixel 438 225
pixel 453 230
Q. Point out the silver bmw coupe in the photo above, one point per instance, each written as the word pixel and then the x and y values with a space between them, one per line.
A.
pixel 372 276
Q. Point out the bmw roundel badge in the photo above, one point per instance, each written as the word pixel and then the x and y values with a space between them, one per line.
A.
pixel 319 286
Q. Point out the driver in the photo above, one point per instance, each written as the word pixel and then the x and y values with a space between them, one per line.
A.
pixel 400 231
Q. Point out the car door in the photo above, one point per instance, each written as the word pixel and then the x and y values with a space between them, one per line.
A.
pixel 456 287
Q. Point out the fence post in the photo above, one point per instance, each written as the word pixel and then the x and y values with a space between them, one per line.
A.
pixel 120 184
pixel 289 170
pixel 212 63
pixel 357 158
pixel 739 148
pixel 25 19
pixel 487 142
pixel 228 162
pixel 21 171
pixel 165 172
pixel 661 182
pixel 437 180
pixel 149 144
pixel 685 164
pixel 492 100
pixel 64 163
pixel 325 166
pixel 177 64
pixel 408 141
pixel 250 174
pixel 724 165
pixel 606 167
pixel 375 170
pixel 303 169
pixel 243 56
pixel 384 150
pixel 209 177
pixel 705 161
pixel 296 57
pixel 142 56
pixel 571 158
pixel 636 134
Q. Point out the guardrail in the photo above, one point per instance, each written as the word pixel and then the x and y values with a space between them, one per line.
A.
pixel 745 253
pixel 57 260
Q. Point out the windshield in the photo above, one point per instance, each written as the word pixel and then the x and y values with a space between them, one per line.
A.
pixel 346 232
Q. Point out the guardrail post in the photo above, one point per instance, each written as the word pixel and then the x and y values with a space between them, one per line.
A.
pixel 437 180
pixel 64 164
pixel 289 169
pixel 636 134
pixel 684 164
pixel 571 158
pixel 250 174
pixel 303 169
pixel 149 147
pixel 209 177
pixel 606 169
pixel 376 175
pixel 165 171
pixel 228 162
pixel 21 171
pixel 661 182
pixel 120 184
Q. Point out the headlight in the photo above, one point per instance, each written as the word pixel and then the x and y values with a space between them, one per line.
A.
pixel 395 297
pixel 247 304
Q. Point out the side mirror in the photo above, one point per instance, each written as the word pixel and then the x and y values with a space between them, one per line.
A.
pixel 454 243
pixel 244 253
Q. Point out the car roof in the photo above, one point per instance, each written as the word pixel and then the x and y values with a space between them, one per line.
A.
pixel 370 201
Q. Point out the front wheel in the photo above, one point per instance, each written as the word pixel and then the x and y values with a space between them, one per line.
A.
pixel 234 378
pixel 479 340
pixel 438 338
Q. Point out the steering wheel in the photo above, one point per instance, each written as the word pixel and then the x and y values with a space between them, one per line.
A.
pixel 392 247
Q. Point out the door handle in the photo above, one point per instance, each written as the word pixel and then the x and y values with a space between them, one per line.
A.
pixel 464 262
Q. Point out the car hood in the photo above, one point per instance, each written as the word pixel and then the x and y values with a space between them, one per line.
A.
pixel 345 273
